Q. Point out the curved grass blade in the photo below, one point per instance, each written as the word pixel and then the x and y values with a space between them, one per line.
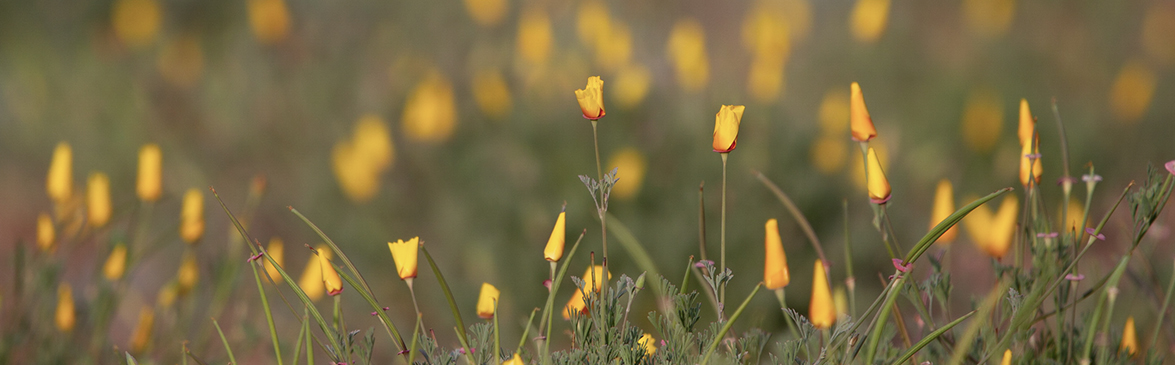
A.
pixel 228 348
pixel 931 337
pixel 729 323
pixel 452 303
pixel 946 224
pixel 795 213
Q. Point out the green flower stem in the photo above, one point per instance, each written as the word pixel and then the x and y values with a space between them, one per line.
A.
pixel 227 348
pixel 452 304
pixel 277 350
pixel 850 280
pixel 1162 311
pixel 726 327
pixel 791 324
pixel 722 237
pixel 415 338
pixel 931 337
pixel 525 331
pixel 601 211
pixel 882 316
pixel 497 338
pixel 298 343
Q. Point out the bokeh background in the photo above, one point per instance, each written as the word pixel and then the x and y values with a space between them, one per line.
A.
pixel 455 121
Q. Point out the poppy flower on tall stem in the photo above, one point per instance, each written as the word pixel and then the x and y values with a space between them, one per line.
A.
pixel 726 124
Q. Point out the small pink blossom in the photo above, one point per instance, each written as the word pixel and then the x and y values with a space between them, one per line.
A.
pixel 1074 277
pixel 1092 232
pixel 1091 178
pixel 255 257
pixel 1066 179
pixel 547 284
pixel 1047 235
pixel 1032 156
pixel 703 263
pixel 1170 167
pixel 897 264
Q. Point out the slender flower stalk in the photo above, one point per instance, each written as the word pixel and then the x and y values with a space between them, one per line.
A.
pixel 726 124
pixel 591 103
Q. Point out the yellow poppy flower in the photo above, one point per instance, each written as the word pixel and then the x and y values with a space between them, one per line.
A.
pixel 631 164
pixel 311 280
pixel 775 274
pixel 944 206
pixel 591 98
pixel 330 277
pixel 404 255
pixel 1030 166
pixel 136 22
pixel 726 124
pixel 115 265
pixel 98 199
pixel 141 337
pixel 59 183
pixel 868 20
pixel 1132 91
pixel 46 234
pixel 554 250
pixel 430 112
pixel 192 216
pixel 1027 123
pixel 492 94
pixel 1007 360
pixel 189 273
pixel 534 36
pixel 686 50
pixel 649 343
pixel 982 120
pixel 878 184
pixel 150 180
pixel 860 122
pixel 487 301
pixel 1129 338
pixel 516 360
pixel 821 309
pixel 269 20
pixel 66 316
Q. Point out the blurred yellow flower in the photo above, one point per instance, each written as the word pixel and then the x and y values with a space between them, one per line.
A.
pixel 1158 24
pixel 275 250
pixel 591 98
pixel 141 337
pixel 594 278
pixel 983 120
pixel 1073 216
pixel 534 36
pixel 1027 123
pixel 150 180
pixel 492 94
pixel 686 50
pixel 1129 338
pixel 631 165
pixel 868 20
pixel 1007 360
pixel 359 163
pixel 430 113
pixel 167 295
pixel 311 280
pixel 978 222
pixel 879 189
pixel 577 304
pixel 98 199
pixel 834 111
pixel 181 61
pixel 136 22
pixel 404 255
pixel 989 18
pixel 821 309
pixel 192 216
pixel 516 360
pixel 591 21
pixel 330 277
pixel 631 85
pixel 1001 229
pixel 554 249
pixel 66 316
pixel 46 234
pixel 189 273
pixel 775 275
pixel 487 13
pixel 648 343
pixel 1030 166
pixel 944 206
pixel 860 122
pixel 765 79
pixel 614 46
pixel 828 153
pixel 840 301
pixel 115 265
pixel 1131 93
pixel 269 20
pixel 373 141
pixel 766 30
pixel 487 301
pixel 59 183
pixel 726 124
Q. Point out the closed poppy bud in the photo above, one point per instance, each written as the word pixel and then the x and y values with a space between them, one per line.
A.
pixel 726 124
pixel 821 309
pixel 859 121
pixel 150 182
pixel 944 206
pixel 487 301
pixel 1129 338
pixel 98 199
pixel 330 277
pixel 275 250
pixel 648 343
pixel 1027 123
pixel 66 316
pixel 554 250
pixel 115 265
pixel 1030 166
pixel 192 216
pixel 591 98
pixel 404 255
pixel 189 273
pixel 311 280
pixel 141 337
pixel 1007 360
pixel 775 273
pixel 59 183
pixel 577 304
pixel 516 360
pixel 46 236
pixel 878 185
pixel 1002 228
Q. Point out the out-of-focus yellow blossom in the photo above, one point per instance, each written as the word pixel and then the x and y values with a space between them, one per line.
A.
pixel 359 163
pixel 841 301
pixel 649 343
pixel 983 120
pixel 181 61
pixel 591 98
pixel 989 18
pixel 115 265
pixel 46 234
pixel 821 309
pixel 775 274
pixel 1129 338
pixel 373 141
pixel 829 153
pixel 869 19
pixel 311 280
pixel 98 199
pixel 614 46
pixel 1073 216
pixel 1027 123
pixel 591 21
pixel 1131 93
pixel 192 216
pixel 167 295
pixel 487 301
pixel 1030 166
pixel 726 124
pixel 534 35
pixel 1001 229
pixel 631 85
pixel 766 30
pixel 1007 360
pixel 66 316
pixel 860 123
pixel 136 22
pixel 404 254
pixel 577 304
pixel 59 182
pixel 430 113
pixel 516 360
pixel 330 277
pixel 765 79
pixel 487 13
pixel 834 111
pixel 492 94
pixel 978 222
pixel 630 164
pixel 593 279
pixel 275 250
pixel 150 182
pixel 1158 24
pixel 554 249
pixel 879 189
pixel 270 20
pixel 141 337
pixel 189 273
pixel 687 51
pixel 944 206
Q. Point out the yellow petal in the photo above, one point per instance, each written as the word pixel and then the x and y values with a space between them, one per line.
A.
pixel 534 36
pixel 311 280
pixel 726 124
pixel 576 304
pixel 1030 166
pixel 150 181
pixel 1027 123
pixel 492 94
pixel 860 123
pixel 686 50
pixel 594 278
pixel 835 111
pixel 591 98
pixel 487 301
pixel 66 316
pixel 372 142
pixel 978 223
pixel 765 79
pixel 775 274
pixel 192 216
pixel 878 184
pixel 275 250
pixel 115 265
pixel 46 234
pixel 1131 93
pixel 404 254
pixel 632 85
pixel 1002 228
pixel 59 183
pixel 648 343
pixel 983 120
pixel 189 273
pixel 487 13
pixel 821 309
pixel 1007 360
pixel 516 360
pixel 330 277
pixel 141 337
pixel 269 20
pixel 828 153
pixel 1129 338
pixel 944 206
pixel 554 249
pixel 98 199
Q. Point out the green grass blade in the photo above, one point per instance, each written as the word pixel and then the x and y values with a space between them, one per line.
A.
pixel 931 337
pixel 130 360
pixel 883 316
pixel 526 330
pixel 549 309
pixel 228 348
pixel 729 323
pixel 415 340
pixel 452 304
pixel 301 334
pixel 946 224
pixel 795 213
pixel 379 312
pixel 277 350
